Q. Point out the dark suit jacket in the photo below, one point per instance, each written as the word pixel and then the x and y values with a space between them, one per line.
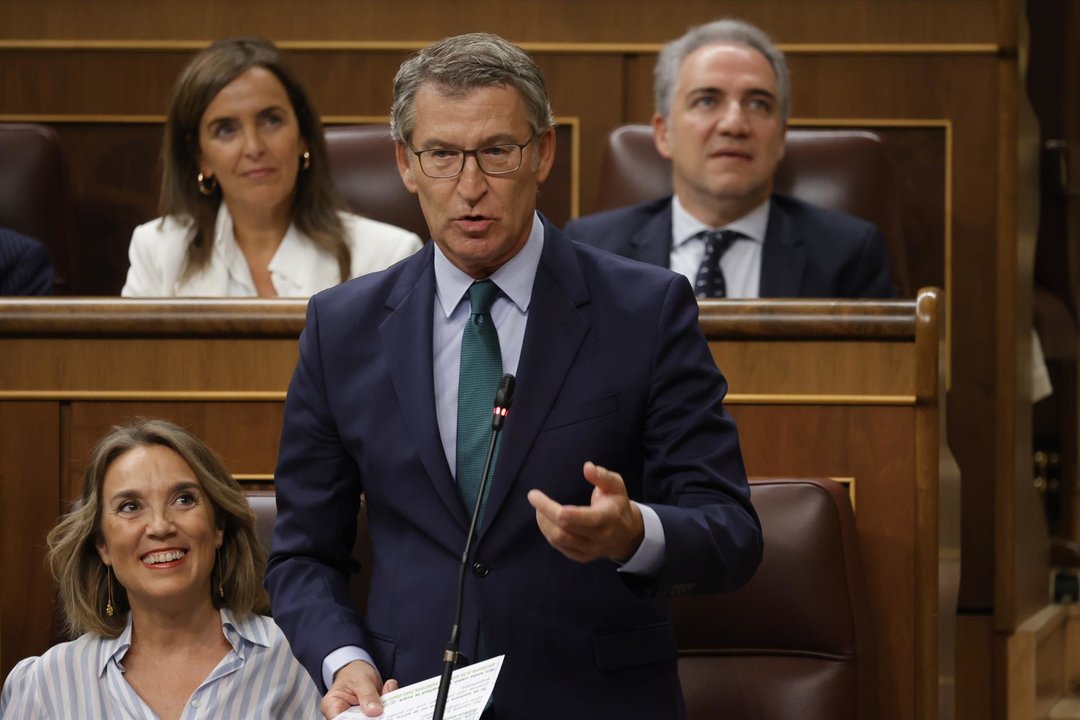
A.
pixel 808 251
pixel 25 268
pixel 613 369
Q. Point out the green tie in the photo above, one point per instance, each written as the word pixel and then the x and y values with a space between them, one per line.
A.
pixel 481 367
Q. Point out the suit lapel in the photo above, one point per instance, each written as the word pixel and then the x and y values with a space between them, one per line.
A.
pixel 553 336
pixel 406 337
pixel 652 243
pixel 783 256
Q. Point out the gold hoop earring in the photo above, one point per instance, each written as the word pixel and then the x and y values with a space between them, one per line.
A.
pixel 220 575
pixel 207 185
pixel 307 160
pixel 110 609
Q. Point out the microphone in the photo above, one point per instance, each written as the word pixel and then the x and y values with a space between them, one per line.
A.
pixel 503 396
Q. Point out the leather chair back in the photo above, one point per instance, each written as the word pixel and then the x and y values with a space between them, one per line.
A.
pixel 843 170
pixel 264 505
pixel 794 642
pixel 365 172
pixel 35 194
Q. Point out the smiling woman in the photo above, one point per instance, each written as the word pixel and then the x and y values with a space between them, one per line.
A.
pixel 159 572
pixel 249 207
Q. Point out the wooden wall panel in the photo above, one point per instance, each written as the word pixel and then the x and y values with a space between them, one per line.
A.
pixel 857 442
pixel 221 368
pixel 29 505
pixel 610 21
pixel 244 434
pixel 951 63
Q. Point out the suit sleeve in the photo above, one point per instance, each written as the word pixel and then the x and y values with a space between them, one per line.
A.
pixel 694 474
pixel 25 268
pixel 318 497
pixel 870 276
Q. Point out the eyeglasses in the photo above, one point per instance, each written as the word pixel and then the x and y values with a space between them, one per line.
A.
pixel 440 163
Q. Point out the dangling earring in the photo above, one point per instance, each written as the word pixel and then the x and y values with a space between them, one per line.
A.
pixel 220 575
pixel 307 160
pixel 110 609
pixel 207 185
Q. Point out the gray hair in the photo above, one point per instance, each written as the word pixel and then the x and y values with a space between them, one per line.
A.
pixel 718 32
pixel 458 65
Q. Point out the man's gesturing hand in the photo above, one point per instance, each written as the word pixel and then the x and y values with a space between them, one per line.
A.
pixel 610 527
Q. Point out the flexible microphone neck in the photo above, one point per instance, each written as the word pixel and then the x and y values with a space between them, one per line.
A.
pixel 503 397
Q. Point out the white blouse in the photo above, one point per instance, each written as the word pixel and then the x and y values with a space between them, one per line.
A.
pixel 299 268
pixel 258 679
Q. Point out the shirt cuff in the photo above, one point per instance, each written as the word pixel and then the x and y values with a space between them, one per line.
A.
pixel 649 558
pixel 340 658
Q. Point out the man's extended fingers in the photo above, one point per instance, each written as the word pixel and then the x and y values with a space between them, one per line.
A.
pixel 543 503
pixel 606 480
pixel 570 518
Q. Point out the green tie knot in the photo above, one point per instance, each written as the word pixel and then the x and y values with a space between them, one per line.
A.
pixel 482 295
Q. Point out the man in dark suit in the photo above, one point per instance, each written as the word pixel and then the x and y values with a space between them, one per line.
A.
pixel 722 104
pixel 618 477
pixel 25 268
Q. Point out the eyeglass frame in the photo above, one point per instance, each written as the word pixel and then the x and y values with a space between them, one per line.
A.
pixel 474 152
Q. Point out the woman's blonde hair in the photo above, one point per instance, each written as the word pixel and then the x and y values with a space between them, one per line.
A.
pixel 83 579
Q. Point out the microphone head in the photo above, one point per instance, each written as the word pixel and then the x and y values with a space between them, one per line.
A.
pixel 505 393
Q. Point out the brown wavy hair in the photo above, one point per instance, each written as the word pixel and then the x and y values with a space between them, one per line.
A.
pixel 83 579
pixel 316 200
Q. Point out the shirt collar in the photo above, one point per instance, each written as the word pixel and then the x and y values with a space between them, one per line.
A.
pixel 297 261
pixel 685 226
pixel 515 277
pixel 240 633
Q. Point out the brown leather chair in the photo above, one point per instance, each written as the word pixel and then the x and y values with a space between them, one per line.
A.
pixel 365 172
pixel 264 504
pixel 843 170
pixel 35 192
pixel 793 643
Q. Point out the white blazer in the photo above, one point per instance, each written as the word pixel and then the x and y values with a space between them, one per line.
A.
pixel 158 253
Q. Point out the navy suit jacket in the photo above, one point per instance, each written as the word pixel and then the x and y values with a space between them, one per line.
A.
pixel 808 251
pixel 25 268
pixel 614 368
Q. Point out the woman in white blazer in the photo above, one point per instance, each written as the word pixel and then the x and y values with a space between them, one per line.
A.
pixel 249 206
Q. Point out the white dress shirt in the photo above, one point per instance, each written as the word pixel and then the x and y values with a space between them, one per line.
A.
pixel 259 679
pixel 158 255
pixel 741 264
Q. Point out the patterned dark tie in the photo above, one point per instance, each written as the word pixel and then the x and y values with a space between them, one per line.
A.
pixel 709 282
pixel 481 367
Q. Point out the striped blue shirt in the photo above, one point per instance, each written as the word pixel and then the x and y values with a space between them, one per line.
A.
pixel 84 678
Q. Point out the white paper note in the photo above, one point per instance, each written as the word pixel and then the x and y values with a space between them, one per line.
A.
pixel 470 689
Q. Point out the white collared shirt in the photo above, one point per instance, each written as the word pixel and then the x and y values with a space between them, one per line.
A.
pixel 158 255
pixel 259 679
pixel 741 264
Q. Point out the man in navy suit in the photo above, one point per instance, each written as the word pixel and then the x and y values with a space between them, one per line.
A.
pixel 722 104
pixel 25 268
pixel 618 478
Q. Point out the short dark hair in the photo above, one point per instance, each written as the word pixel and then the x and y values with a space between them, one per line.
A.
pixel 718 32
pixel 463 63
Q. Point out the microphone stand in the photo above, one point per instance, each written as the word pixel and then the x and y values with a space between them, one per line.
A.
pixel 503 396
